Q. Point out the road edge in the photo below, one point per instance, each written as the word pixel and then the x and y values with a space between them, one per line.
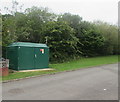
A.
pixel 53 73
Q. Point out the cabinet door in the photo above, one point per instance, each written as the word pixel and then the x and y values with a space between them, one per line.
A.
pixel 41 58
pixel 26 58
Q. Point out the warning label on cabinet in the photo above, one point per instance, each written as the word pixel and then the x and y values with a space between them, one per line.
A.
pixel 42 50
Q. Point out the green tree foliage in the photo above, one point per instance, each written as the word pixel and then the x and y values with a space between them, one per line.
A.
pixel 60 37
pixel 73 20
pixel 91 43
pixel 8 29
pixel 67 35
pixel 110 33
pixel 8 32
pixel 30 25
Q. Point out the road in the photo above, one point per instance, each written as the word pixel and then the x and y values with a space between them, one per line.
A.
pixel 97 83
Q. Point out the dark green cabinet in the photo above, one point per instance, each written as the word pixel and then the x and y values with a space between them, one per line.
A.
pixel 26 56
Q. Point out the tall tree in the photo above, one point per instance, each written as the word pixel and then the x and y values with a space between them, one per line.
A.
pixel 61 40
pixel 30 25
pixel 110 33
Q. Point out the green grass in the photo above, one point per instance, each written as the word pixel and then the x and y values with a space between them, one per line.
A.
pixel 72 65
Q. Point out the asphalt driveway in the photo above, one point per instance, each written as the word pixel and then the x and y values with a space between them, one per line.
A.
pixel 97 83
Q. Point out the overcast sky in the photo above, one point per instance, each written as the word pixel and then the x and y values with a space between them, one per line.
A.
pixel 90 10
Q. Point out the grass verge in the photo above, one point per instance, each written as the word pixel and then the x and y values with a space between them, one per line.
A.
pixel 72 65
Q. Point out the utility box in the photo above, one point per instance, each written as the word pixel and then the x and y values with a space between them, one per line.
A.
pixel 27 56
pixel 4 67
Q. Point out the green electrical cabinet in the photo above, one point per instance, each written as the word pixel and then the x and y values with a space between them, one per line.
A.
pixel 27 56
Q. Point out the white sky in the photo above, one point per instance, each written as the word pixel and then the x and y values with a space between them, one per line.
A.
pixel 90 10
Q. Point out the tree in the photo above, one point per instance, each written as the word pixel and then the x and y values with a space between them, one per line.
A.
pixel 30 25
pixel 61 40
pixel 110 33
pixel 8 30
pixel 67 35
pixel 92 43
pixel 72 20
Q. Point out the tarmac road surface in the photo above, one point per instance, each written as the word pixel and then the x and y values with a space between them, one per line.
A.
pixel 96 83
